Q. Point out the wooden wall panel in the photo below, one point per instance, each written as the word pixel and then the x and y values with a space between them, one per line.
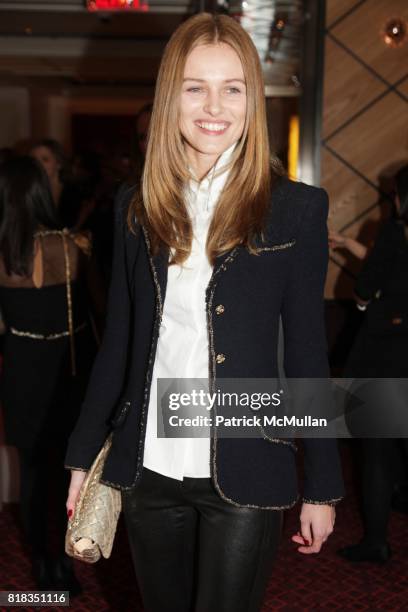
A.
pixel 347 88
pixel 350 195
pixel 336 9
pixel 365 124
pixel 403 88
pixel 361 33
pixel 375 139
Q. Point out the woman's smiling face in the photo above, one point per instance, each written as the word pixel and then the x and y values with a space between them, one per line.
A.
pixel 213 103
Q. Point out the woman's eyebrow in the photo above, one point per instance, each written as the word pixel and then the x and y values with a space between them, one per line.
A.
pixel 203 80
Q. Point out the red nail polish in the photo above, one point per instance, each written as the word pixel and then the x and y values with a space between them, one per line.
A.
pixel 69 513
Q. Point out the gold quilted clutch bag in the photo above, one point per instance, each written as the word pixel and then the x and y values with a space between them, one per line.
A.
pixel 91 530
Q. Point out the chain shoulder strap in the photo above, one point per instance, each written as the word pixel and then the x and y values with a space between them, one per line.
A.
pixel 64 233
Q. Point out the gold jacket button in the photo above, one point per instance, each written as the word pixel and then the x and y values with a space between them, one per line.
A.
pixel 220 309
pixel 220 358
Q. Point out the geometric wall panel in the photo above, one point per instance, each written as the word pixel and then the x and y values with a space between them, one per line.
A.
pixel 376 139
pixel 336 9
pixel 364 124
pixel 403 88
pixel 347 88
pixel 361 34
pixel 351 197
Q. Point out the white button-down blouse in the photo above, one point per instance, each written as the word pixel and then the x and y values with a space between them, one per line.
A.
pixel 182 349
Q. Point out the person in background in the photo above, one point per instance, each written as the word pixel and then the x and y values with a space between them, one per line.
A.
pixel 142 123
pixel 75 193
pixel 49 349
pixel 87 176
pixel 101 219
pixel 339 241
pixel 67 194
pixel 379 355
pixel 6 154
pixel 50 154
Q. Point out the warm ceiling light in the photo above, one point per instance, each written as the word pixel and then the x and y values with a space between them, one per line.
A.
pixel 117 5
pixel 394 33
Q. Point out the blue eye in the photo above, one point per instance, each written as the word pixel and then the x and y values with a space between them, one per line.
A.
pixel 194 89
pixel 234 90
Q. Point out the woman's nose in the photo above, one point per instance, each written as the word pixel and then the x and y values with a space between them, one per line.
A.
pixel 213 104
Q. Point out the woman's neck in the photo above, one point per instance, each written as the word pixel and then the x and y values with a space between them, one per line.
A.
pixel 201 164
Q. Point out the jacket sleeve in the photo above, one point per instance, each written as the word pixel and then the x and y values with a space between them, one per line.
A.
pixel 108 372
pixel 305 343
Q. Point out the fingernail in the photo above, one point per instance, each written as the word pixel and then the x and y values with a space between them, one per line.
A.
pixel 69 513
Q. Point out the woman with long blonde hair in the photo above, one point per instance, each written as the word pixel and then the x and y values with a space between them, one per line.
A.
pixel 215 246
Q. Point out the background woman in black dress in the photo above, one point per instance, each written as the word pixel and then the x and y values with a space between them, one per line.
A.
pixel 48 352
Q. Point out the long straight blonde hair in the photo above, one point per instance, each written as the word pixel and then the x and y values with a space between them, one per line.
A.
pixel 242 206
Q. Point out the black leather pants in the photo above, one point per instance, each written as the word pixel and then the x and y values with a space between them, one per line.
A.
pixel 195 552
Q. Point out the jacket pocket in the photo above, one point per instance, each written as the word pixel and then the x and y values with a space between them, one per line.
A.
pixel 120 414
pixel 289 442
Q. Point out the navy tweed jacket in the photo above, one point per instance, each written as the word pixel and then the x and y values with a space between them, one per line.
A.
pixel 286 279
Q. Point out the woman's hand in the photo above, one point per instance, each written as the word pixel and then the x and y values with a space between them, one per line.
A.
pixel 77 478
pixel 316 524
pixel 337 240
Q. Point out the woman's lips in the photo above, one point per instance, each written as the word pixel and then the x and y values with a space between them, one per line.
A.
pixel 212 128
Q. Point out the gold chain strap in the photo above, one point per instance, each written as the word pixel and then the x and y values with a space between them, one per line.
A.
pixel 64 233
pixel 69 301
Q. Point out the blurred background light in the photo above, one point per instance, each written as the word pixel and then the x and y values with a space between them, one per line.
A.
pixel 117 5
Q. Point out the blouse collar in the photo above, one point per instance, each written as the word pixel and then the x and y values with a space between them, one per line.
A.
pixel 208 189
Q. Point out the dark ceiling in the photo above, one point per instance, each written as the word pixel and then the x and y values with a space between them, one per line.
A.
pixel 70 45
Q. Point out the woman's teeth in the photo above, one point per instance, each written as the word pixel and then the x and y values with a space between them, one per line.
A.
pixel 213 127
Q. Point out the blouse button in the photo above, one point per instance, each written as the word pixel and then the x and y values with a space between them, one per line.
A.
pixel 220 309
pixel 220 358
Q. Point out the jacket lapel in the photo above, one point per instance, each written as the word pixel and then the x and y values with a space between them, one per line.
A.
pixel 160 263
pixel 159 268
pixel 221 264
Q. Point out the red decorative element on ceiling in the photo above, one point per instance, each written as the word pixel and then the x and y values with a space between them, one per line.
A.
pixel 117 5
